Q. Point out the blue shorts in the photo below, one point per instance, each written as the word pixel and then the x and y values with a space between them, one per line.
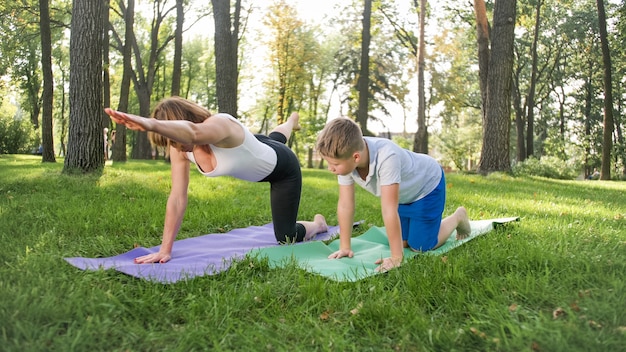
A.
pixel 421 219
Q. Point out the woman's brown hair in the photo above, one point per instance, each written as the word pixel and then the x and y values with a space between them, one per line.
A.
pixel 176 108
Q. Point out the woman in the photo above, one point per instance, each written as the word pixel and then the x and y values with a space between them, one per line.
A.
pixel 220 145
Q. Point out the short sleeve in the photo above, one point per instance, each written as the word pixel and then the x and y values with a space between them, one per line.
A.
pixel 389 170
pixel 345 180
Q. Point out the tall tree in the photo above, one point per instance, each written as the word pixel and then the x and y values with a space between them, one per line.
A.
pixel 362 113
pixel 178 48
pixel 20 50
pixel 145 71
pixel 47 140
pixel 119 140
pixel 482 38
pixel 607 136
pixel 530 118
pixel 292 50
pixel 106 78
pixel 420 142
pixel 85 150
pixel 226 54
pixel 496 120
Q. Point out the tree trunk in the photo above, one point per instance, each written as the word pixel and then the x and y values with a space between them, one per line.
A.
pixel 363 81
pixel 482 37
pixel 520 122
pixel 497 120
pixel 106 81
pixel 85 150
pixel 47 140
pixel 178 48
pixel 119 142
pixel 144 77
pixel 226 54
pixel 142 148
pixel 420 143
pixel 587 116
pixel 607 136
pixel 530 119
pixel 619 134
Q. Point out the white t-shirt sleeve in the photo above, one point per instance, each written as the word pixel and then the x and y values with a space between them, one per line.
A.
pixel 345 180
pixel 389 169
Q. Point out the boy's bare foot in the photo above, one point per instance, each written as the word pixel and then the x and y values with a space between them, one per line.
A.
pixel 320 227
pixel 464 229
pixel 295 119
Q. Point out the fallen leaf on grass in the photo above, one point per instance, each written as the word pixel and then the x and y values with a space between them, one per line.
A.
pixel 444 259
pixel 535 346
pixel 594 324
pixel 357 309
pixel 557 313
pixel 324 316
pixel 478 332
pixel 513 307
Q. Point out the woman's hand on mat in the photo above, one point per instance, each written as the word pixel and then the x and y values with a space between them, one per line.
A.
pixel 342 253
pixel 387 264
pixel 153 258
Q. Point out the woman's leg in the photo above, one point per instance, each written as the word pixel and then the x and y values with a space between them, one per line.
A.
pixel 292 124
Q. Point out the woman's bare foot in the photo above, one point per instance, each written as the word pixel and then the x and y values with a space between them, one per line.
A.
pixel 463 229
pixel 295 120
pixel 318 225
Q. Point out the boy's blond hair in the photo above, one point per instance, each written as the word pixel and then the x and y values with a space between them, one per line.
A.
pixel 339 139
pixel 176 108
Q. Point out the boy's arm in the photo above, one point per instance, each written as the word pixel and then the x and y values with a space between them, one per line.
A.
pixel 389 198
pixel 345 216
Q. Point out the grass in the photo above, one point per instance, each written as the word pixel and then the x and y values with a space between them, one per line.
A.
pixel 552 282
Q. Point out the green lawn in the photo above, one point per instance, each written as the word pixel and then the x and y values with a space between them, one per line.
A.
pixel 555 281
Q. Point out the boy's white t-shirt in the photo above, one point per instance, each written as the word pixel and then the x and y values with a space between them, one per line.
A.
pixel 417 174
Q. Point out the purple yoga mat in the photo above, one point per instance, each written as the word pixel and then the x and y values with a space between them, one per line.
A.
pixel 191 257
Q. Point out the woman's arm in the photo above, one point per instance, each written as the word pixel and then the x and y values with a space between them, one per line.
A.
pixel 218 129
pixel 175 209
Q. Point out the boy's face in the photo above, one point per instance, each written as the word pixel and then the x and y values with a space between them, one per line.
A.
pixel 343 166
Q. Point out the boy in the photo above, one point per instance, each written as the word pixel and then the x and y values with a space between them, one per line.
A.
pixel 411 187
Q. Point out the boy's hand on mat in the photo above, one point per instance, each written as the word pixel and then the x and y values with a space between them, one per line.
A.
pixel 342 253
pixel 153 258
pixel 388 264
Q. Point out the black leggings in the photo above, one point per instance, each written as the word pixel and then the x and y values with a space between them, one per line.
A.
pixel 285 189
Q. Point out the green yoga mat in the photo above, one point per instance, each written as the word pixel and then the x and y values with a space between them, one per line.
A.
pixel 368 247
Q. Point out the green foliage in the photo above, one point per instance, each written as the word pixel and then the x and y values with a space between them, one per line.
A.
pixel 459 140
pixel 17 136
pixel 404 142
pixel 552 282
pixel 548 166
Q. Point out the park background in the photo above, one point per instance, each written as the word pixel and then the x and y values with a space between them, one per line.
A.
pixel 552 282
pixel 553 98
